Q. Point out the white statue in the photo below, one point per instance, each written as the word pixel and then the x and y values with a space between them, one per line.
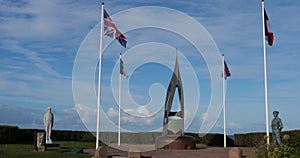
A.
pixel 48 123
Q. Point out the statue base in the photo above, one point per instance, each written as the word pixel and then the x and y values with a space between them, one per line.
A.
pixel 49 141
pixel 53 145
pixel 176 142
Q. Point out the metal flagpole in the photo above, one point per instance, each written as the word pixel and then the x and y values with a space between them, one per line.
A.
pixel 265 72
pixel 119 119
pixel 99 77
pixel 224 99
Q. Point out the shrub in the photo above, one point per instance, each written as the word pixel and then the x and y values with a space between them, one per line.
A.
pixel 88 137
pixel 214 140
pixel 249 139
pixel 8 134
pixel 275 151
pixel 25 135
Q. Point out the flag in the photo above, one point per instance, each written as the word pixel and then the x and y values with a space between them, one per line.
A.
pixel 111 30
pixel 226 71
pixel 268 30
pixel 122 71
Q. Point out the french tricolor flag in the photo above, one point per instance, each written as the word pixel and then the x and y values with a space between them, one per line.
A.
pixel 268 30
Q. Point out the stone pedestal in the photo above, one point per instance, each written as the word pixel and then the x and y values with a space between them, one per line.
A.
pixel 39 141
pixel 133 154
pixel 178 142
pixel 49 141
pixel 105 152
pixel 235 153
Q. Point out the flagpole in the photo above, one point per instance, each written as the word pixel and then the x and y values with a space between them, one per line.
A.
pixel 119 119
pixel 224 100
pixel 265 73
pixel 99 77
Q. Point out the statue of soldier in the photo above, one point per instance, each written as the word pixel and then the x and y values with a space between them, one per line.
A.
pixel 48 123
pixel 276 128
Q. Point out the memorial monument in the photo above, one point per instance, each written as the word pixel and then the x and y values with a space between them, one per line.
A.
pixel 276 128
pixel 173 122
pixel 48 123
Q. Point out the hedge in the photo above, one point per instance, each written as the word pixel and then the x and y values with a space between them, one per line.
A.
pixel 212 139
pixel 7 134
pixel 252 139
pixel 12 134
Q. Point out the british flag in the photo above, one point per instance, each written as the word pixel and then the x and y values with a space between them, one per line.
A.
pixel 111 30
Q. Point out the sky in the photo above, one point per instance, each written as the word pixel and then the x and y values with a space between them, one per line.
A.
pixel 48 48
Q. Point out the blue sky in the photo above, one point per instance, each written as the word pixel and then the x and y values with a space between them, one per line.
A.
pixel 40 41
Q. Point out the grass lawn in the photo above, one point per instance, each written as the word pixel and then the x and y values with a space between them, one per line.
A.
pixel 27 150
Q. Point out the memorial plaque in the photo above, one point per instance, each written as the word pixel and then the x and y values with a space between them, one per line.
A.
pixel 40 139
pixel 175 125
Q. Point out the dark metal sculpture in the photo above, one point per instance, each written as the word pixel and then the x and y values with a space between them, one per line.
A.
pixel 174 84
pixel 173 128
pixel 276 128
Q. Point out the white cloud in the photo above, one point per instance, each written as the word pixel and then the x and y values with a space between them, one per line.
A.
pixel 87 114
pixel 139 116
pixel 203 117
pixel 32 57
pixel 111 113
pixel 234 125
pixel 46 19
pixel 140 111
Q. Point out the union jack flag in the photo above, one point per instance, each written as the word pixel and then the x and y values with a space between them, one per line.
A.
pixel 111 30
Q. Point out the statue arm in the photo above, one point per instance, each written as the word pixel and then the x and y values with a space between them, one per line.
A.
pixel 52 120
pixel 280 124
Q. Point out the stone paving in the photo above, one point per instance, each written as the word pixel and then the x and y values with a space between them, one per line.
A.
pixel 202 152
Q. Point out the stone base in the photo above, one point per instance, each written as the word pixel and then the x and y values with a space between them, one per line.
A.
pixel 49 141
pixel 134 154
pixel 53 145
pixel 105 152
pixel 40 149
pixel 235 153
pixel 178 142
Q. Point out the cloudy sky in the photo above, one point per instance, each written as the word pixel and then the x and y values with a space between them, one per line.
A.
pixel 44 42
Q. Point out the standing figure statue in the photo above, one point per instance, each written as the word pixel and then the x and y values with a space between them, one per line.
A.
pixel 48 123
pixel 276 128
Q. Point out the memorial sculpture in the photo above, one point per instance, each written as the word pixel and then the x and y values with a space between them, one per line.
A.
pixel 173 122
pixel 276 128
pixel 48 123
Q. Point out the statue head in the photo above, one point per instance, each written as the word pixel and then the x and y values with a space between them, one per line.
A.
pixel 275 113
pixel 49 109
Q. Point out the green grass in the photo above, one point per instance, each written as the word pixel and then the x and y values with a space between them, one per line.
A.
pixel 27 150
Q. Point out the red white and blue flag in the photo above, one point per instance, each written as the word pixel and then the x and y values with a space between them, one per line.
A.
pixel 268 30
pixel 226 71
pixel 111 30
pixel 122 71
